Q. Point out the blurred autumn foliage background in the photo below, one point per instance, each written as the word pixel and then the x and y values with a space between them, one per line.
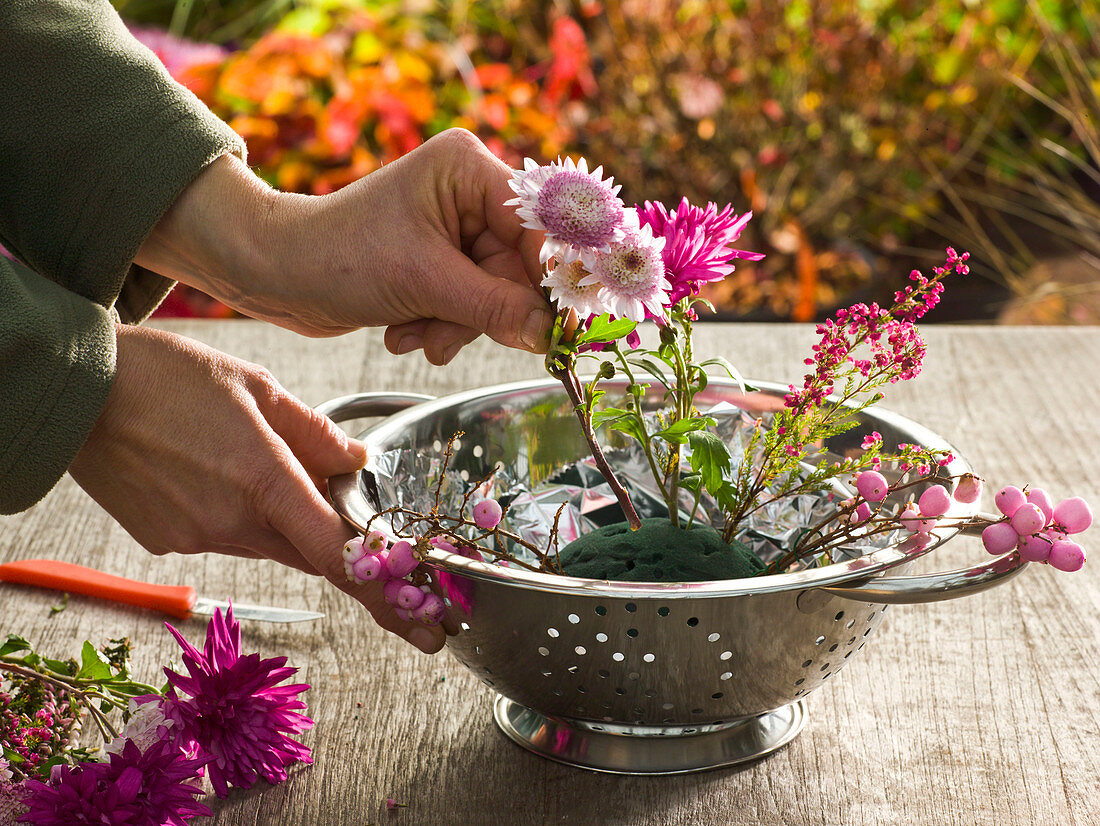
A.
pixel 865 134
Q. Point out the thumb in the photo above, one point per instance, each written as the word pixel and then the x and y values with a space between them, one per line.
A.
pixel 322 447
pixel 510 313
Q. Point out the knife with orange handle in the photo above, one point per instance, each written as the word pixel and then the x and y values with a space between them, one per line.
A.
pixel 179 601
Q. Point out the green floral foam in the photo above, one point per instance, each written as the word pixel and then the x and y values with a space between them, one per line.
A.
pixel 657 552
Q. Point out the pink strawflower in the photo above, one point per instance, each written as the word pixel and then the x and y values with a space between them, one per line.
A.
pixel 579 211
pixel 631 276
pixel 697 243
pixel 566 289
pixel 155 787
pixel 236 715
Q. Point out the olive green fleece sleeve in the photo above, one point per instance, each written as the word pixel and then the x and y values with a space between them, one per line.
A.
pixel 96 142
pixel 57 356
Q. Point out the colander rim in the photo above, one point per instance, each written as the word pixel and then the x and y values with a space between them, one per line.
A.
pixel 834 574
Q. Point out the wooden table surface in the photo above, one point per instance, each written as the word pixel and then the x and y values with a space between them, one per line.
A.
pixel 982 710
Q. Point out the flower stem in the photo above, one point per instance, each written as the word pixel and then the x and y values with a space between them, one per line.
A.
pixel 569 382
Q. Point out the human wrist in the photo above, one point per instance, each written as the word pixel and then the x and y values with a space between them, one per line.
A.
pixel 213 237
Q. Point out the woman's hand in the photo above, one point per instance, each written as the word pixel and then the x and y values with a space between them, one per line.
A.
pixel 423 246
pixel 197 451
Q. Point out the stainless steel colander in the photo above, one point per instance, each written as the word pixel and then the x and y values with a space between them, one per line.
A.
pixel 640 678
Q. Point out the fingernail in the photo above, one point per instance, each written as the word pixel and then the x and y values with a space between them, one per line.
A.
pixel 357 449
pixel 424 639
pixel 407 344
pixel 535 330
pixel 451 351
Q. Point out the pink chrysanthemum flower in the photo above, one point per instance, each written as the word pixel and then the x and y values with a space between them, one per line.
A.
pixel 697 243
pixel 579 211
pixel 154 787
pixel 632 276
pixel 236 714
pixel 564 283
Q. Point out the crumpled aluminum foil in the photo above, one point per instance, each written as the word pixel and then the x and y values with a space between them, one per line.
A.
pixel 411 479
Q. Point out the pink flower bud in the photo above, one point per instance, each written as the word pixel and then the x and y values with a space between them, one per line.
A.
pixel 1034 548
pixel 430 611
pixel 1009 499
pixel 1073 514
pixel 1039 498
pixel 367 569
pixel 391 589
pixel 376 542
pixel 1000 538
pixel 969 489
pixel 402 560
pixel 935 501
pixel 487 514
pixel 1028 520
pixel 1067 556
pixel 442 544
pixel 354 550
pixel 409 597
pixel 872 485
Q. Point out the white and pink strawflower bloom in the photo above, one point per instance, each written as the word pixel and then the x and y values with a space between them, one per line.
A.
pixel 631 275
pixel 579 211
pixel 566 289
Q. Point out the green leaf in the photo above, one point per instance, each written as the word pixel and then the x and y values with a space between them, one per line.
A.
pixel 603 329
pixel 14 643
pixel 12 756
pixel 654 369
pixel 677 431
pixel 61 605
pixel 709 457
pixel 58 666
pixel 631 426
pixel 93 665
pixel 731 371
pixel 609 414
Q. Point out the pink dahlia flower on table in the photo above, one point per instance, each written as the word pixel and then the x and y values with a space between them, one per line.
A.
pixel 236 715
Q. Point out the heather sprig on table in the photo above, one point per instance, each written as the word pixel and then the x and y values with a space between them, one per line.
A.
pixel 228 720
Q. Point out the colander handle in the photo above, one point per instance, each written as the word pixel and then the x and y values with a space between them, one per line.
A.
pixel 932 587
pixel 344 490
pixel 364 405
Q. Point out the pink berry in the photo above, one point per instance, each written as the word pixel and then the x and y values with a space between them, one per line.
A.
pixel 1034 548
pixel 403 614
pixel 487 514
pixel 1067 556
pixel 872 485
pixel 862 513
pixel 409 597
pixel 1009 499
pixel 1073 514
pixel 391 589
pixel 376 542
pixel 354 550
pixel 910 519
pixel 969 489
pixel 1028 520
pixel 367 569
pixel 442 544
pixel 1000 538
pixel 935 501
pixel 401 560
pixel 1039 498
pixel 430 611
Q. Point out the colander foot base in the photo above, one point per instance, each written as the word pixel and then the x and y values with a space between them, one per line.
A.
pixel 618 753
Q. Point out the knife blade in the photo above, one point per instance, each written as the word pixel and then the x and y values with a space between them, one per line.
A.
pixel 179 601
